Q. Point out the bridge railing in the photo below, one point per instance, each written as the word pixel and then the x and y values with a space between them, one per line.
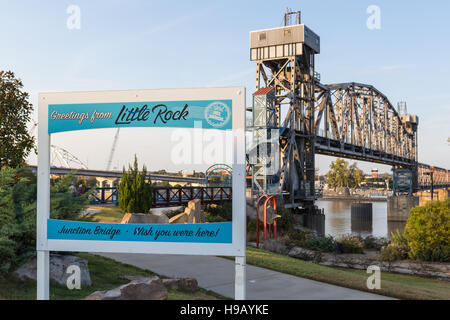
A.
pixel 172 196
pixel 169 196
pixel 105 195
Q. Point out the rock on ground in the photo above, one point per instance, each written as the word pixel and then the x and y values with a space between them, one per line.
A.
pixel 58 268
pixel 152 289
pixel 143 288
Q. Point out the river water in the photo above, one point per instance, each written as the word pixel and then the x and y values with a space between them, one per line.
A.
pixel 338 220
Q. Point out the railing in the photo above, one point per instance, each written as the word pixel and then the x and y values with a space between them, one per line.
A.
pixel 105 195
pixel 169 196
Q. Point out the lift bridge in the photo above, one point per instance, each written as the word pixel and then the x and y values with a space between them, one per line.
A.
pixel 294 117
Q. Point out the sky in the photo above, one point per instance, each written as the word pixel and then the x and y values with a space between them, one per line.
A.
pixel 182 44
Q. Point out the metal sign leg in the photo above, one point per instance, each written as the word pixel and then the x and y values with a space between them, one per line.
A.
pixel 43 275
pixel 240 282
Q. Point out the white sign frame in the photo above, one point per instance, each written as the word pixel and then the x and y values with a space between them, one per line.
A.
pixel 238 246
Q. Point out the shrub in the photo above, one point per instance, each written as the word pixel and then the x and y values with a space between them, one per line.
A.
pixel 219 212
pixel 285 222
pixel 172 213
pixel 393 252
pixel 135 192
pixel 212 218
pixel 350 244
pixel 297 237
pixel 371 242
pixel 8 224
pixel 251 229
pixel 323 244
pixel 18 213
pixel 427 232
pixel 397 249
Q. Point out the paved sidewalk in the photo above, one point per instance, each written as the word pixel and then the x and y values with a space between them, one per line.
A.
pixel 217 274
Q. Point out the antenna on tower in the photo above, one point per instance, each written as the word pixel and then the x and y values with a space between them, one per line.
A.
pixel 402 107
pixel 292 15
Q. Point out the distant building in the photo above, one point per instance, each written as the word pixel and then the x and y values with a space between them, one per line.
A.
pixel 320 182
pixel 187 173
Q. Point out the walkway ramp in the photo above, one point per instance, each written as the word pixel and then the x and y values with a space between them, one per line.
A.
pixel 217 274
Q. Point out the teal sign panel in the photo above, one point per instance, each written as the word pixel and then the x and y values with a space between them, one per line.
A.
pixel 194 233
pixel 207 114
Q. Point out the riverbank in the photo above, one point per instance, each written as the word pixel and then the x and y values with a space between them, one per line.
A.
pixel 393 285
pixel 352 198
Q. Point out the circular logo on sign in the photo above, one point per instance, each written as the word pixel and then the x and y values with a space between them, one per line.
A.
pixel 217 114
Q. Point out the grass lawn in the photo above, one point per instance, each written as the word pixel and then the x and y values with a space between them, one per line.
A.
pixel 104 276
pixel 392 285
pixel 107 215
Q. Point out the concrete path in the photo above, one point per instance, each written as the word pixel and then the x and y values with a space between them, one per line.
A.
pixel 217 274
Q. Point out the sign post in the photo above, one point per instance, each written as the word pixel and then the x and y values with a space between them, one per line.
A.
pixel 208 108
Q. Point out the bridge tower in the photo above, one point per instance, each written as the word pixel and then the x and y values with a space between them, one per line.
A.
pixel 284 95
pixel 406 178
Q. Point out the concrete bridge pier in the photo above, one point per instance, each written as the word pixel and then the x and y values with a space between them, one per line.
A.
pixel 399 207
pixel 312 218
pixel 361 217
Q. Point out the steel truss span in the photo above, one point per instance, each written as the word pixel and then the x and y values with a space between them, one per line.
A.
pixel 357 121
pixel 350 120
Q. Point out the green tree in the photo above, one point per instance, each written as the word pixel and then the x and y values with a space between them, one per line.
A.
pixel 135 192
pixel 356 176
pixel 18 190
pixel 343 175
pixel 8 225
pixel 15 110
pixel 91 182
pixel 428 231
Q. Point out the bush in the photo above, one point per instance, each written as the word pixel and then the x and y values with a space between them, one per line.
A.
pixel 8 224
pixel 285 222
pixel 135 192
pixel 297 238
pixel 396 250
pixel 251 229
pixel 427 232
pixel 393 252
pixel 219 212
pixel 371 242
pixel 18 213
pixel 172 213
pixel 350 244
pixel 323 244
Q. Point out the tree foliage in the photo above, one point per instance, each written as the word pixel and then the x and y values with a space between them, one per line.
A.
pixel 15 141
pixel 342 174
pixel 18 192
pixel 135 192
pixel 428 232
